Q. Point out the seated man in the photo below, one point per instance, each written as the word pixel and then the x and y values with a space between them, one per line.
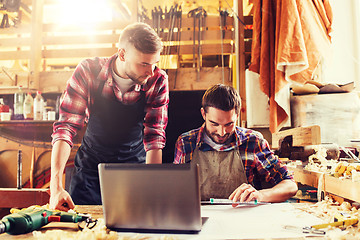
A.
pixel 235 162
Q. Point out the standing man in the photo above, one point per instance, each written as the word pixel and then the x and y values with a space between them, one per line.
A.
pixel 124 100
pixel 235 163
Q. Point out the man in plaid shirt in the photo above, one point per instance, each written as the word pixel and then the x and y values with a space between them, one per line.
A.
pixel 235 163
pixel 124 100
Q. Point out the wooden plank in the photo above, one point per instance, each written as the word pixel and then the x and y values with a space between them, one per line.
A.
pixel 12 55
pixel 301 136
pixel 240 82
pixel 305 177
pixel 182 79
pixel 98 26
pixel 14 198
pixel 22 29
pixel 15 42
pixel 80 39
pixel 186 78
pixel 345 188
pixel 54 81
pixel 79 53
pixel 206 49
pixel 36 42
pixel 114 38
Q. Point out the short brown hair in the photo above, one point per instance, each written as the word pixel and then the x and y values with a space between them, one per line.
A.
pixel 142 37
pixel 222 97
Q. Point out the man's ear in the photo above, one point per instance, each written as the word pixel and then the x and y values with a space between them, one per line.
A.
pixel 203 113
pixel 121 54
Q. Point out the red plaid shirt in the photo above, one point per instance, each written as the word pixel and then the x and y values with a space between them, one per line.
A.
pixel 76 101
pixel 260 164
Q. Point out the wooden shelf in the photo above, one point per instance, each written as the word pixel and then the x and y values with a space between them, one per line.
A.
pixel 344 188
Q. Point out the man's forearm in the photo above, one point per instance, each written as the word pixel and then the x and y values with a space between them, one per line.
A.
pixel 59 156
pixel 154 156
pixel 280 192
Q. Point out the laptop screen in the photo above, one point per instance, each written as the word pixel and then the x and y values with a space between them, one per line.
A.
pixel 150 196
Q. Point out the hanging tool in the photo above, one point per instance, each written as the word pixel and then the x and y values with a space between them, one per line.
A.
pixel 19 170
pixel 192 14
pixel 5 21
pixel 154 19
pixel 222 44
pixel 178 24
pixel 159 18
pixel 201 17
pixel 171 16
pixel 350 154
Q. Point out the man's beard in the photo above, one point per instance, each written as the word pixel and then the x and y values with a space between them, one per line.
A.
pixel 137 79
pixel 213 137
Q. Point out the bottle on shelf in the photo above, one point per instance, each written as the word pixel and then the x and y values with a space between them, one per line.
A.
pixel 5 114
pixel 38 106
pixel 19 104
pixel 28 107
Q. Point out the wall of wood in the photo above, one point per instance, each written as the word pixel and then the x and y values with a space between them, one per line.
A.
pixel 45 54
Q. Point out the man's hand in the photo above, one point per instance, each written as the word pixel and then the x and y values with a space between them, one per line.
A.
pixel 61 200
pixel 245 193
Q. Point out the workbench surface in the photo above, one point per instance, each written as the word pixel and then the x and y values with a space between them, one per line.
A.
pixel 220 222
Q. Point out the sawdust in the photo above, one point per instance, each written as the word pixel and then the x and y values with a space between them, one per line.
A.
pixel 99 232
pixel 326 210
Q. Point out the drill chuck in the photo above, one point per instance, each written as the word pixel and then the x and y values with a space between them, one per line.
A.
pixel 2 227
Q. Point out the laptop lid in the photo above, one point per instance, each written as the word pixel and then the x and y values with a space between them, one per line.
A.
pixel 151 197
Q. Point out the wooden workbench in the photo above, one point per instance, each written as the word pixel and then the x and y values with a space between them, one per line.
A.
pixel 222 222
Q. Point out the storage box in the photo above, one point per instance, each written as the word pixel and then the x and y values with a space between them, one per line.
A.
pixel 337 114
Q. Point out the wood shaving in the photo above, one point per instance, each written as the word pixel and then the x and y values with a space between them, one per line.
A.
pixel 340 169
pixel 326 210
pixel 99 232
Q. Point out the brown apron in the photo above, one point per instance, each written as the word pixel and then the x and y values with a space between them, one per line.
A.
pixel 220 172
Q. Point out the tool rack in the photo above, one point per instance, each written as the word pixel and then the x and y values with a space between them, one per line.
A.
pixel 45 54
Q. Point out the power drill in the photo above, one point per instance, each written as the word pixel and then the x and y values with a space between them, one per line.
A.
pixel 35 217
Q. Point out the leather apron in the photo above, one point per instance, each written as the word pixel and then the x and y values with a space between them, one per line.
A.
pixel 220 172
pixel 114 135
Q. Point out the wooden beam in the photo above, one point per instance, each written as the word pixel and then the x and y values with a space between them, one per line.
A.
pixel 96 27
pixel 301 136
pixel 15 42
pixel 36 43
pixel 240 59
pixel 181 79
pixel 186 78
pixel 81 39
pixel 15 198
pixel 206 49
pixel 13 55
pixel 22 29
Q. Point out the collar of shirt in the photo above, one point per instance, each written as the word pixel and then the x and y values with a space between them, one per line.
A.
pixel 203 146
pixel 106 75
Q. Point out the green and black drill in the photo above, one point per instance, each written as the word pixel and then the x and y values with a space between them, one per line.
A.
pixel 32 218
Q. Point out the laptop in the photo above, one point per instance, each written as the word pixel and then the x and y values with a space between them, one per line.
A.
pixel 151 197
